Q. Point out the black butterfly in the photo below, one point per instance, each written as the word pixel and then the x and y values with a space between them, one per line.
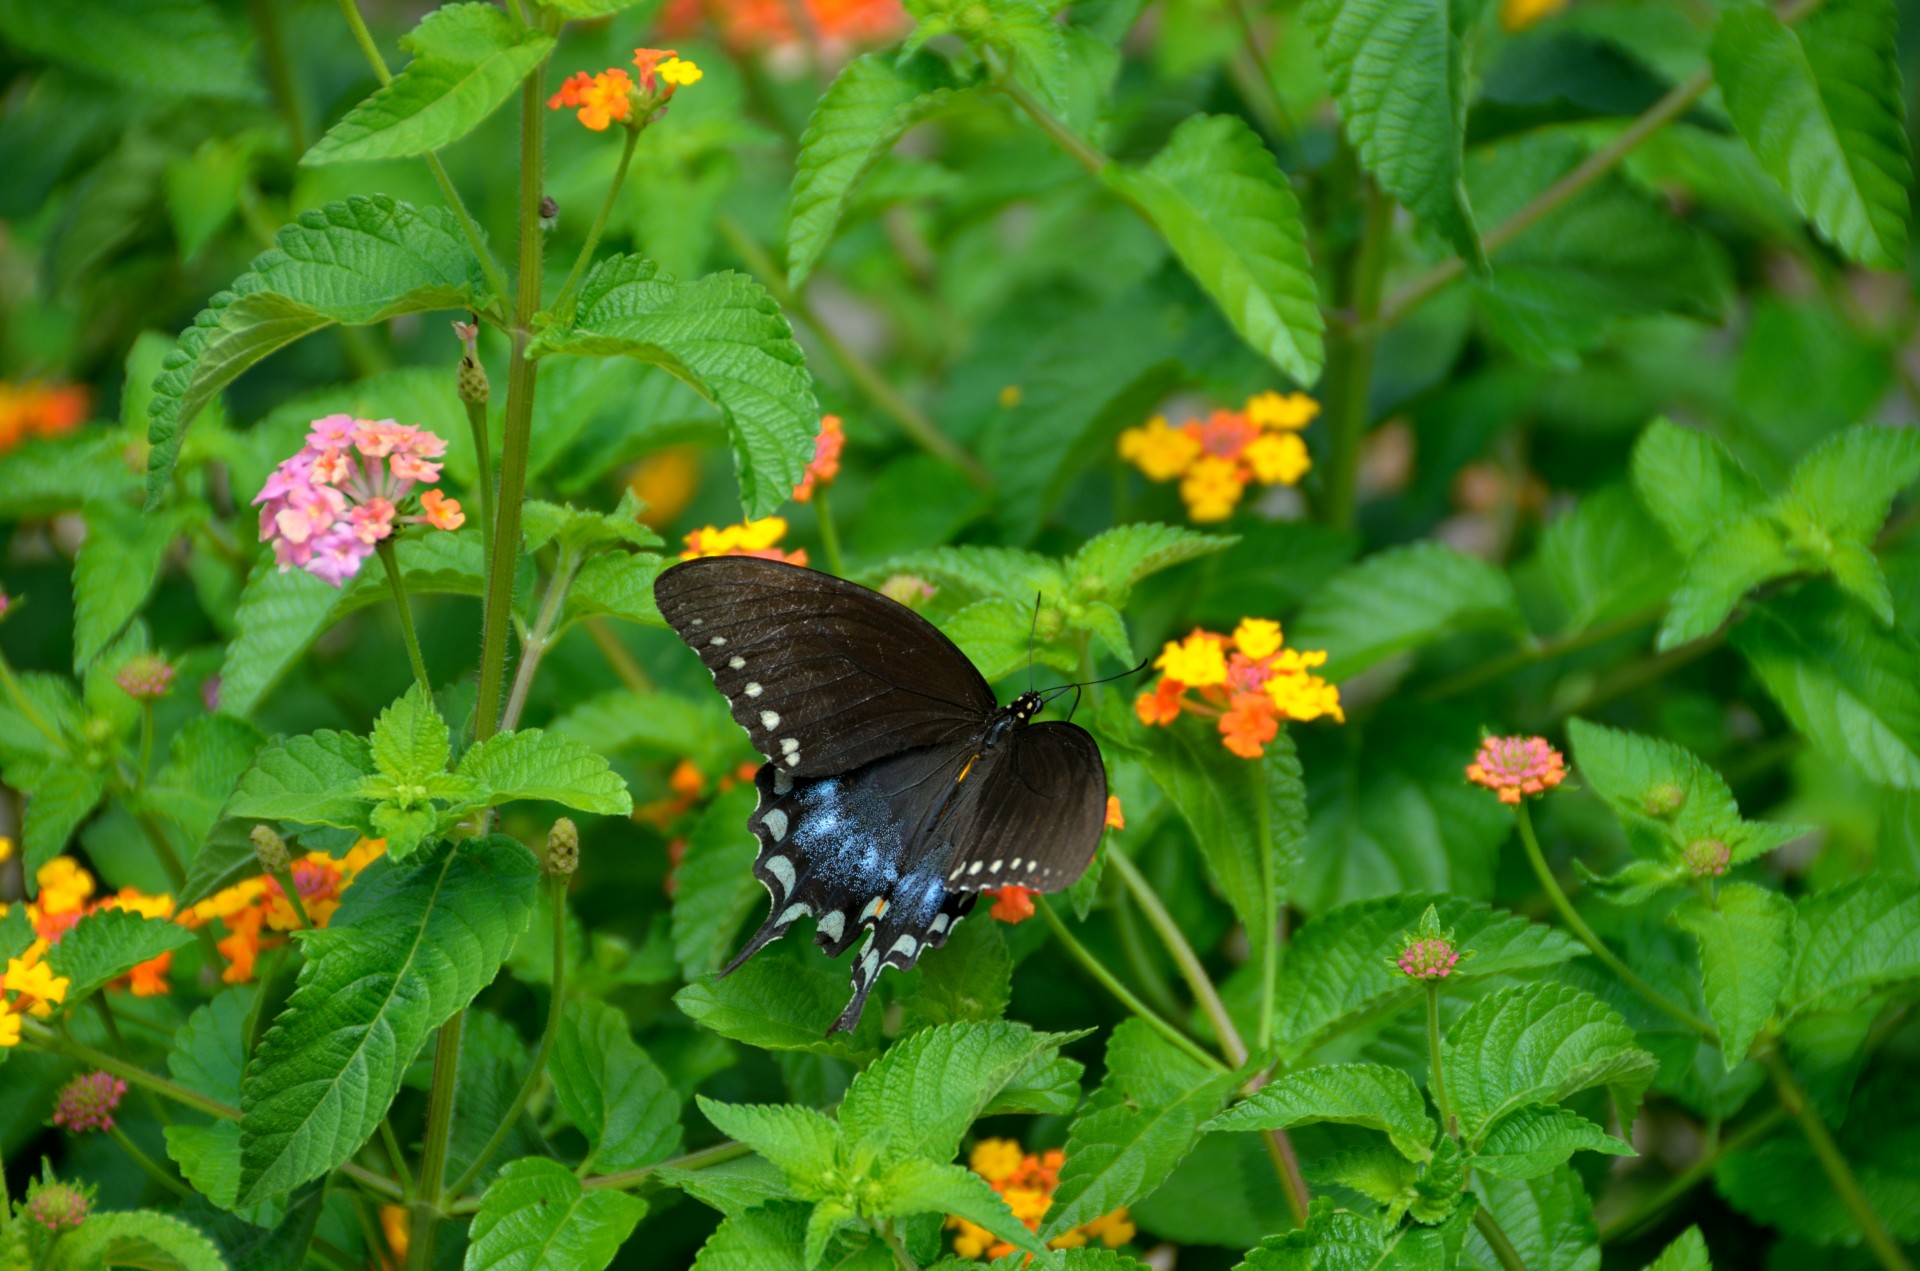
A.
pixel 896 788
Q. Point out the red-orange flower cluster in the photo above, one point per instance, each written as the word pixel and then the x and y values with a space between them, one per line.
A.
pixel 254 907
pixel 39 409
pixel 826 458
pixel 1246 681
pixel 839 25
pixel 1027 1181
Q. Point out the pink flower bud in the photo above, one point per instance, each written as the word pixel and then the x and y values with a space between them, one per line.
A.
pixel 1707 858
pixel 145 677
pixel 57 1206
pixel 1428 959
pixel 88 1102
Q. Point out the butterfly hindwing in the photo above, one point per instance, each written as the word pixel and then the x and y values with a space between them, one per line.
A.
pixel 1036 815
pixel 825 675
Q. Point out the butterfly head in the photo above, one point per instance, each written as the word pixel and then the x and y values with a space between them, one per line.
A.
pixel 1024 707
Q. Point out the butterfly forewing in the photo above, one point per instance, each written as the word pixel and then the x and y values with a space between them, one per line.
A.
pixel 824 675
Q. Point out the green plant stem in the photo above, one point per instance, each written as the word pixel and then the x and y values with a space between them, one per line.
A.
pixel 1839 1174
pixel 829 536
pixel 519 423
pixel 291 890
pixel 913 421
pixel 556 1009
pixel 390 1144
pixel 1248 67
pixel 1269 907
pixel 1587 936
pixel 1540 651
pixel 535 645
pixel 374 1182
pixel 45 1039
pixel 429 1198
pixel 112 1025
pixel 483 456
pixel 1286 1162
pixel 149 1166
pixel 1649 1211
pixel 280 77
pixel 390 560
pixel 629 672
pixel 901 1258
pixel 146 747
pixel 717 1154
pixel 1436 1074
pixel 1350 365
pixel 1153 981
pixel 562 302
pixel 170 865
pixel 1055 128
pixel 1111 983
pixel 1489 1228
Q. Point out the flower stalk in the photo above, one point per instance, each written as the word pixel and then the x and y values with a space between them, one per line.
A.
pixel 404 608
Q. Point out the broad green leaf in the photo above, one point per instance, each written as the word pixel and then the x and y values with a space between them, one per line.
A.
pixel 1846 484
pixel 868 107
pixel 209 1158
pixel 1227 1194
pixel 1607 558
pixel 1687 1253
pixel 203 192
pixel 206 759
pixel 779 1005
pixel 971 980
pixel 543 523
pixel 493 1062
pixel 1539 1044
pixel 765 1238
pixel 1732 561
pixel 996 635
pixel 1338 1240
pixel 722 335
pixel 1854 939
pixel 1227 211
pixel 1822 108
pixel 617 585
pixel 209 1053
pixel 921 1095
pixel 1337 971
pixel 612 1090
pixel 920 1186
pixel 59 474
pixel 410 742
pixel 1398 68
pixel 1248 817
pixel 357 262
pixel 1402 600
pixel 60 801
pixel 1535 1140
pixel 1746 949
pixel 1691 483
pixel 1850 686
pixel 1108 565
pixel 805 1144
pixel 139 1238
pixel 1145 1118
pixel 1549 1220
pixel 107 944
pixel 536 1214
pixel 114 572
pixel 1050 1086
pixel 467 59
pixel 533 764
pixel 410 947
pixel 716 887
pixel 657 725
pixel 732 1187
pixel 312 780
pixel 1370 1095
pixel 164 48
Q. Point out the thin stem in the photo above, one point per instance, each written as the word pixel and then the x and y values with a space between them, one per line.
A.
pixel 483 456
pixel 580 262
pixel 901 1258
pixel 556 1008
pixel 146 747
pixel 390 1144
pixel 1269 907
pixel 1351 376
pixel 373 1182
pixel 1839 1174
pixel 1579 927
pixel 1064 137
pixel 430 1197
pixel 913 421
pixel 1111 983
pixel 1153 981
pixel 1436 1074
pixel 404 608
pixel 1649 1211
pixel 291 890
pixel 112 1025
pixel 718 1154
pixel 280 76
pixel 148 1164
pixel 364 38
pixel 1251 75
pixel 829 536
pixel 535 645
pixel 44 1038
pixel 1489 1228
pixel 156 836
pixel 630 672
pixel 1543 651
pixel 519 422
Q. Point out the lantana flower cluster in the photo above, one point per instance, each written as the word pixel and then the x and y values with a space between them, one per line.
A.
pixel 615 96
pixel 1517 767
pixel 825 464
pixel 39 409
pixel 325 509
pixel 1215 460
pixel 255 911
pixel 1246 681
pixel 759 538
pixel 787 26
pixel 1015 903
pixel 66 895
pixel 1026 1181
pixel 689 788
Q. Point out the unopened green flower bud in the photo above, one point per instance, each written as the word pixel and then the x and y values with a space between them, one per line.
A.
pixel 56 1206
pixel 472 378
pixel 269 849
pixel 1663 799
pixel 1707 858
pixel 563 848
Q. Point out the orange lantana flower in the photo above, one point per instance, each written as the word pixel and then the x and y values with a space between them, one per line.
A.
pixel 1247 681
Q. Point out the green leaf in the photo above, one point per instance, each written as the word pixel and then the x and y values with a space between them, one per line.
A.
pixel 1854 939
pixel 1850 686
pixel 1369 1095
pixel 1822 109
pixel 1399 72
pixel 58 474
pixel 61 800
pixel 617 585
pixel 1109 565
pixel 353 263
pixel 107 944
pixel 1549 1220
pixel 716 888
pixel 1607 558
pixel 312 780
pixel 805 1144
pixel 732 1187
pixel 1536 1140
pixel 493 1062
pixel 206 760
pixel 536 1214
pixel 1145 1118
pixel 657 725
pixel 409 948
pixel 921 1095
pixel 1732 561
pixel 765 1238
pixel 410 742
pixel 203 193
pixel 1337 971
pixel 612 1090
pixel 1248 817
pixel 532 764
pixel 543 523
pixel 869 106
pixel 778 1005
pixel 1687 1253
pixel 1401 600
pixel 920 1186
pixel 165 48
pixel 467 59
pixel 722 335
pixel 971 980
pixel 114 572
pixel 1226 210
pixel 139 1238
pixel 1847 483
pixel 1539 1044
pixel 1746 948
pixel 209 1052
pixel 973 573
pixel 1691 482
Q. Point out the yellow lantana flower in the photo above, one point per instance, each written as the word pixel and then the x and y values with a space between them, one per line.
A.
pixel 35 980
pixel 1257 637
pixel 1518 15
pixel 1277 458
pixel 1211 488
pixel 1286 411
pixel 680 72
pixel 1162 453
pixel 1199 661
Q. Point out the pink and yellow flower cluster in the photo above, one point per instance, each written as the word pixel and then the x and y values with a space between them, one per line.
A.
pixel 609 97
pixel 328 507
pixel 1216 460
pixel 254 907
pixel 1246 681
pixel 1516 767
pixel 1027 1181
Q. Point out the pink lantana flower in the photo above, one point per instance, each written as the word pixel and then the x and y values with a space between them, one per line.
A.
pixel 328 507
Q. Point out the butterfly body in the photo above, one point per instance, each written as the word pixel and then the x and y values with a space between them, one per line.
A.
pixel 896 788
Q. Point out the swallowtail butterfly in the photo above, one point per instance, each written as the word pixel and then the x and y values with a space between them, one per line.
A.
pixel 896 788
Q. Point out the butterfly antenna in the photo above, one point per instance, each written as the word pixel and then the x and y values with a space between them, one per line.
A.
pixel 1052 693
pixel 1032 630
